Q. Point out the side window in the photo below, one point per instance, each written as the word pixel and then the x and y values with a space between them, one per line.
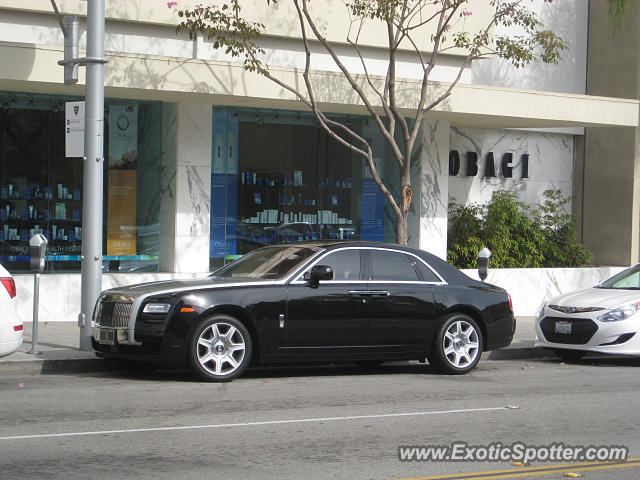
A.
pixel 425 272
pixel 345 264
pixel 393 266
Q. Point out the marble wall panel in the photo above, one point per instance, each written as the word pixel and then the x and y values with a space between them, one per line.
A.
pixel 434 188
pixel 193 200
pixel 194 135
pixel 550 164
pixel 194 253
pixel 185 181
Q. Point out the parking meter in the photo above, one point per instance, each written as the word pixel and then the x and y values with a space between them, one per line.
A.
pixel 483 263
pixel 37 250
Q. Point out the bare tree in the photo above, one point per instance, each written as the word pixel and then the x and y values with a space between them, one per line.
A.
pixel 409 25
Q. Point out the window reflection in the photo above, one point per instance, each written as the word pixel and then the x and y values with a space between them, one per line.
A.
pixel 41 189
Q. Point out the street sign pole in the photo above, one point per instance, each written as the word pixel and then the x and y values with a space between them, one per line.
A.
pixel 93 171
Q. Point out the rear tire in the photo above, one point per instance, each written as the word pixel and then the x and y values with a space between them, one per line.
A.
pixel 219 349
pixel 569 355
pixel 457 346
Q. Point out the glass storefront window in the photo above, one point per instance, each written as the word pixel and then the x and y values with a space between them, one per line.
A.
pixel 132 185
pixel 278 177
pixel 41 189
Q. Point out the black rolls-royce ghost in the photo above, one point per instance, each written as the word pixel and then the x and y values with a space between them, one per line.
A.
pixel 362 302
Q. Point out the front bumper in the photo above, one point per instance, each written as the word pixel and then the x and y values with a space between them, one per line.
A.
pixel 589 334
pixel 162 354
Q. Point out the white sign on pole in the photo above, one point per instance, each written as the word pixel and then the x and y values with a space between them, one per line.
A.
pixel 74 128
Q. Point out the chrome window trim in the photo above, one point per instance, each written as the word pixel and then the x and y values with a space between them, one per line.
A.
pixel 407 282
pixel 299 281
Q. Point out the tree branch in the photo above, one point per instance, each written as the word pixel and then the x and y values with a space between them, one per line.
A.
pixel 350 79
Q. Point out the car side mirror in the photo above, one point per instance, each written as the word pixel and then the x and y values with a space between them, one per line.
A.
pixel 318 273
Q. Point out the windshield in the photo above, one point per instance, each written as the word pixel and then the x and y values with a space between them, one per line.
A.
pixel 628 279
pixel 272 263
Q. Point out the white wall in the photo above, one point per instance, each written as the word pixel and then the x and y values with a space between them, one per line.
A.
pixel 60 293
pixel 550 164
pixel 529 287
pixel 162 40
pixel 434 187
pixel 60 298
pixel 569 20
pixel 290 53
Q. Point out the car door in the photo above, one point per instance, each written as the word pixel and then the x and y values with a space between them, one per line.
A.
pixel 402 307
pixel 332 318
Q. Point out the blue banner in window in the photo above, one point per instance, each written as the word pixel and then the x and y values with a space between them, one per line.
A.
pixel 372 212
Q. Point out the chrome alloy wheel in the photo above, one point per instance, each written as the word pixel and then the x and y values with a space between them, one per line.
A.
pixel 460 344
pixel 221 348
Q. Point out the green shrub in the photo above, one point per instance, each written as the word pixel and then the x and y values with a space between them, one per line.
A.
pixel 517 234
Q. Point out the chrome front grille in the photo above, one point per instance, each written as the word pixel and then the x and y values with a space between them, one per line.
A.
pixel 113 314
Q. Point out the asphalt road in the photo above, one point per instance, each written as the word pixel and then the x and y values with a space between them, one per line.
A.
pixel 314 422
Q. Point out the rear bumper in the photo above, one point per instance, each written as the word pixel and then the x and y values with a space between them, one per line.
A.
pixel 500 332
pixel 9 347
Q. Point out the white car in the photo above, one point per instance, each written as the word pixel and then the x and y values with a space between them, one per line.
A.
pixel 602 319
pixel 11 327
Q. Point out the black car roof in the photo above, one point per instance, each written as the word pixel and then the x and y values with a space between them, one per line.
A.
pixel 448 272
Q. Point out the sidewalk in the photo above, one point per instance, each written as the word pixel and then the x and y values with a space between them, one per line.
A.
pixel 58 344
pixel 59 347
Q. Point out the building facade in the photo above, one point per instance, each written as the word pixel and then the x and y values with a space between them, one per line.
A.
pixel 204 161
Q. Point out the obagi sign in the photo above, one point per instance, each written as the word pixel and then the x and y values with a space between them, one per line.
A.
pixel 505 165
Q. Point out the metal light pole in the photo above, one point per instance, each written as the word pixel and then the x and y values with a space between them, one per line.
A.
pixel 92 172
pixel 91 267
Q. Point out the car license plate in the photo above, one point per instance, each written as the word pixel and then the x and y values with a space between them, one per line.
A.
pixel 106 336
pixel 563 327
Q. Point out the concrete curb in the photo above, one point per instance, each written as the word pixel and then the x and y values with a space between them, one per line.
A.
pixel 524 353
pixel 59 366
pixel 95 365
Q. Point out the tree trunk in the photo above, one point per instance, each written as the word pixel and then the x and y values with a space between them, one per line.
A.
pixel 402 230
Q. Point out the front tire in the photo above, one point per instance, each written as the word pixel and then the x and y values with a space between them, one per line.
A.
pixel 457 346
pixel 219 349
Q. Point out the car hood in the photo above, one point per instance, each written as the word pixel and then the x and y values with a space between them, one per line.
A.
pixel 169 286
pixel 607 298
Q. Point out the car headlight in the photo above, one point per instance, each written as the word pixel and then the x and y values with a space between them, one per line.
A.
pixel 156 308
pixel 541 310
pixel 621 313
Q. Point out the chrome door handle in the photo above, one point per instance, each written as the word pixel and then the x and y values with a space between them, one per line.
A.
pixel 379 293
pixel 362 293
